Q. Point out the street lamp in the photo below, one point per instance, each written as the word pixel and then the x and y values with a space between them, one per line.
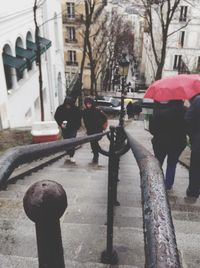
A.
pixel 124 66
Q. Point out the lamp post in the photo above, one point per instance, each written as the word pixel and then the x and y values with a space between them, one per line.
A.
pixel 124 65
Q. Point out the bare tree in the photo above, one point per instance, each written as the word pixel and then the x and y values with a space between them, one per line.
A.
pixel 97 46
pixel 119 35
pixel 164 11
pixel 94 52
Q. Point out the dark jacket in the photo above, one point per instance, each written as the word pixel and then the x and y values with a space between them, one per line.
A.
pixel 167 125
pixel 192 118
pixel 93 120
pixel 71 115
pixel 134 108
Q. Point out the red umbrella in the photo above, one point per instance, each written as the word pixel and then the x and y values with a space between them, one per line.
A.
pixel 178 87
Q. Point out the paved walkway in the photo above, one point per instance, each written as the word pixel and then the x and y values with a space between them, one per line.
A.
pixel 185 212
pixel 83 224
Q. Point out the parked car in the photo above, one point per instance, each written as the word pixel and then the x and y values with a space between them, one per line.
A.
pixel 109 105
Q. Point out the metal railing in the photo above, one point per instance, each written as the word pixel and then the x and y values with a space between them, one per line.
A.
pixel 24 154
pixel 159 234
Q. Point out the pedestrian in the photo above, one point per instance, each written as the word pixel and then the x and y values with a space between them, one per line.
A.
pixel 168 128
pixel 95 121
pixel 134 109
pixel 192 117
pixel 68 118
pixel 137 109
pixel 129 110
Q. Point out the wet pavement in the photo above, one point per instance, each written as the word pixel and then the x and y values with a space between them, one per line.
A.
pixel 84 222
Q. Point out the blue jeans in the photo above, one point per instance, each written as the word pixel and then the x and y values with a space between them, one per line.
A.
pixel 172 159
pixel 68 134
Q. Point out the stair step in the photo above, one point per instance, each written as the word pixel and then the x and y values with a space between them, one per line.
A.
pixel 81 242
pixel 23 262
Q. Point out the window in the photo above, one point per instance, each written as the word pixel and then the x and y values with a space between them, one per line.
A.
pixel 71 32
pixel 20 45
pixel 183 13
pixel 8 76
pixel 72 57
pixel 70 10
pixel 177 62
pixel 181 38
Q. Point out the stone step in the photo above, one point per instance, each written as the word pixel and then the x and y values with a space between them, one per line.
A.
pixel 23 262
pixel 81 242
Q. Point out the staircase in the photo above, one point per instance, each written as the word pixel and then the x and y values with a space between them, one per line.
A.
pixel 185 212
pixel 83 224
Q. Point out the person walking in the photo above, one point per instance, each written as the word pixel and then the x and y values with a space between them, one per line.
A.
pixel 192 117
pixel 95 121
pixel 68 118
pixel 168 128
pixel 129 109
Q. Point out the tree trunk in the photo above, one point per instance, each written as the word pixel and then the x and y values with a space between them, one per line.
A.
pixel 163 56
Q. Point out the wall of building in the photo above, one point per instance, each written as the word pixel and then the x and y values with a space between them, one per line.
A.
pixel 77 45
pixel 20 106
pixel 189 51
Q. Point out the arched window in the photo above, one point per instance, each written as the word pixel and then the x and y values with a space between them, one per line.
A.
pixel 19 44
pixel 7 68
pixel 31 53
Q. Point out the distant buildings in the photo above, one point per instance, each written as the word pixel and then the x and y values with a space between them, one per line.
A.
pixel 183 44
pixel 73 32
pixel 19 90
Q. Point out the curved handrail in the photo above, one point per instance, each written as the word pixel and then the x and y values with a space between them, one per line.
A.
pixel 27 153
pixel 159 235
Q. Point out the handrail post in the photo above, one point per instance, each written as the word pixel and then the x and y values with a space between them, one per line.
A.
pixel 116 179
pixel 44 203
pixel 109 256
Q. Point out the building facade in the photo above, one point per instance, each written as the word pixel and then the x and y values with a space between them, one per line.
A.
pixel 183 43
pixel 19 90
pixel 74 31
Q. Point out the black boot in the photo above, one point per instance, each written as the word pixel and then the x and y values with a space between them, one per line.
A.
pixel 95 159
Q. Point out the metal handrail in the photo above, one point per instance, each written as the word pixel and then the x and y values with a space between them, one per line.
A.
pixel 27 153
pixel 159 235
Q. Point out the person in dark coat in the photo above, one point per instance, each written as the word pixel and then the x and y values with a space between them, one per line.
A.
pixel 168 128
pixel 134 109
pixel 68 118
pixel 192 118
pixel 94 120
pixel 129 109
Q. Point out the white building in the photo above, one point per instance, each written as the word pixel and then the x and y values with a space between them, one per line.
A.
pixel 19 83
pixel 183 44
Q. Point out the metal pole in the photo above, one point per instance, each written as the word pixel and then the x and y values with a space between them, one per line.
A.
pixel 109 256
pixel 116 179
pixel 44 203
pixel 122 113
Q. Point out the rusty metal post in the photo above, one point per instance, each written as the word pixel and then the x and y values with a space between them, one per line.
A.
pixel 44 203
pixel 109 256
pixel 116 179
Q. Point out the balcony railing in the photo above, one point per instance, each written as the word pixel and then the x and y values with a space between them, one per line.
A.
pixel 72 63
pixel 67 40
pixel 71 19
